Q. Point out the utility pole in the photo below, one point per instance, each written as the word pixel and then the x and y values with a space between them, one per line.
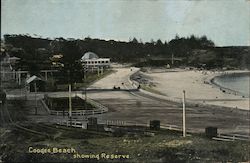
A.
pixel 102 70
pixel 69 94
pixel 172 58
pixel 184 115
pixel 19 77
pixel 98 73
pixel 35 97
pixel 2 73
pixel 85 88
pixel 70 105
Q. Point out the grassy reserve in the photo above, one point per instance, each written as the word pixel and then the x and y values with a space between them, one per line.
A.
pixel 165 146
pixel 91 78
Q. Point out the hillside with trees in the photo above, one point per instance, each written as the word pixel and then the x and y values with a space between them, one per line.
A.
pixel 192 51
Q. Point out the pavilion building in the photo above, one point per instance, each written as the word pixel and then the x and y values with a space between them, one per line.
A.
pixel 91 61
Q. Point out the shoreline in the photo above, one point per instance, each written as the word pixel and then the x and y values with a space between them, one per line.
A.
pixel 211 80
pixel 228 90
pixel 201 88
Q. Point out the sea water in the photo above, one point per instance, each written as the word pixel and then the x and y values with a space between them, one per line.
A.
pixel 238 82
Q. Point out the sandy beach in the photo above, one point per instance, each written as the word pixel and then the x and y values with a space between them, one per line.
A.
pixel 171 83
pixel 141 106
pixel 197 86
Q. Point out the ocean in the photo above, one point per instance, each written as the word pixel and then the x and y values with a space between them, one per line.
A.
pixel 236 82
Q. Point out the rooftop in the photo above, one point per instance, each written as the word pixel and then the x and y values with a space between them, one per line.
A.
pixel 89 55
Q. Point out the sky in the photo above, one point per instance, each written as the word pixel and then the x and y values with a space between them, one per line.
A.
pixel 226 22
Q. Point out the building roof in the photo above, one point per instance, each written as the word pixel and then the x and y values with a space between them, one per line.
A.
pixel 14 58
pixel 57 56
pixel 89 55
pixel 32 78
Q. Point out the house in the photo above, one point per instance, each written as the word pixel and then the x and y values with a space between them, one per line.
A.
pixel 35 84
pixel 56 60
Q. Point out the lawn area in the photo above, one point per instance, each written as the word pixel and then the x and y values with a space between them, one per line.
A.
pixel 163 147
pixel 62 103
pixel 91 78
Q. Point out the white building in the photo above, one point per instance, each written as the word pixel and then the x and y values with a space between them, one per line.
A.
pixel 91 61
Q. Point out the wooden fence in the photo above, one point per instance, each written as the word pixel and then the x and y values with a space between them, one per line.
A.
pixel 100 109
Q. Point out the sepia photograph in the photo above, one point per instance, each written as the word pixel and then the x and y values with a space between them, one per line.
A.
pixel 132 81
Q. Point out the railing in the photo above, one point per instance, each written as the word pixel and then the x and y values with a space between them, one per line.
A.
pixel 45 106
pixel 100 109
pixel 125 123
pixel 77 112
pixel 83 125
pixel 231 137
pixel 172 127
pixel 73 123
pixel 16 97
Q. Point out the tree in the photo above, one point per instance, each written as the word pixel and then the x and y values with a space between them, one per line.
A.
pixel 205 42
pixel 152 41
pixel 159 43
pixel 134 41
pixel 72 67
pixel 177 37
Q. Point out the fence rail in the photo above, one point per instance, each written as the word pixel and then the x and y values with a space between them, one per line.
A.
pixel 125 123
pixel 73 123
pixel 220 136
pixel 100 109
pixel 77 112
pixel 232 137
